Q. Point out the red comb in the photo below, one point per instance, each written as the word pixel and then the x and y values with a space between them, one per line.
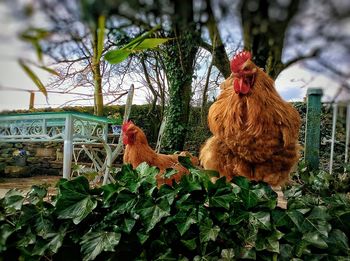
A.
pixel 126 125
pixel 239 59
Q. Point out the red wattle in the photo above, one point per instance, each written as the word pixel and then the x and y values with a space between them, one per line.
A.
pixel 240 86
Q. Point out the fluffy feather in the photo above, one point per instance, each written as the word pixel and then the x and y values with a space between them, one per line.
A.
pixel 137 151
pixel 255 133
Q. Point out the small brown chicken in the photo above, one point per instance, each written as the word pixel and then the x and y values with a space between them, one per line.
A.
pixel 137 151
pixel 255 132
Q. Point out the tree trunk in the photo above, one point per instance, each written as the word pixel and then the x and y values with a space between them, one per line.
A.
pixel 97 77
pixel 220 59
pixel 179 63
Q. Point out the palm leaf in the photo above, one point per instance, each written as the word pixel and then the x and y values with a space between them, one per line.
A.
pixel 33 77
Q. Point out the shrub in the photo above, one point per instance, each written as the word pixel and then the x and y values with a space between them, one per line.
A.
pixel 194 219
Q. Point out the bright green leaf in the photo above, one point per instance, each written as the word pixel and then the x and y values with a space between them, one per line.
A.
pixel 117 56
pixel 150 43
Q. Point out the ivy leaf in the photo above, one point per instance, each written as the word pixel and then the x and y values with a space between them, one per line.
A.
pixel 297 218
pixel 183 221
pixel 238 217
pixel 54 243
pixel 169 173
pixel 222 198
pixel 37 194
pixel 168 192
pixel 190 243
pixel 151 213
pixel 338 242
pixel 74 201
pixel 286 252
pixel 93 243
pixel 247 253
pixel 127 225
pixel 125 202
pixel 207 231
pixel 249 198
pixel 280 218
pixel 260 219
pixel 142 236
pixel 5 231
pixel 315 239
pixel 227 254
pixel 13 200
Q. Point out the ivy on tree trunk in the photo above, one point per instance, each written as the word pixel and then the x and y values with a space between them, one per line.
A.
pixel 179 62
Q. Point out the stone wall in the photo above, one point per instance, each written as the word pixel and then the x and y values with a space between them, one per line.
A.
pixel 43 158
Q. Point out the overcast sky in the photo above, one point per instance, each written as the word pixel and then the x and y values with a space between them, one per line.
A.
pixel 291 84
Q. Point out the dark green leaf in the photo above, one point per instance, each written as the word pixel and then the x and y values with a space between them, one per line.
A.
pixel 190 244
pixel 286 252
pixel 238 217
pixel 142 235
pixel 260 219
pixel 151 213
pixel 222 198
pixel 183 221
pixel 74 201
pixel 297 218
pixel 127 225
pixel 168 192
pixel 207 231
pixel 5 231
pixel 125 202
pixel 37 194
pixel 248 253
pixel 338 242
pixel 280 218
pixel 13 200
pixel 93 243
pixel 315 239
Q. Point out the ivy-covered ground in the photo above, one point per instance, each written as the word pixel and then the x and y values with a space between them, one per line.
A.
pixel 196 219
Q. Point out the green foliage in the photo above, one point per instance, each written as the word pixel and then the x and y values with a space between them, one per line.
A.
pixel 194 219
pixel 139 44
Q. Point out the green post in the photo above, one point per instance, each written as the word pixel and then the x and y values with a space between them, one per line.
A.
pixel 313 123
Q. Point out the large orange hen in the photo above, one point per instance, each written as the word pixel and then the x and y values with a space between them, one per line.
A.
pixel 255 132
